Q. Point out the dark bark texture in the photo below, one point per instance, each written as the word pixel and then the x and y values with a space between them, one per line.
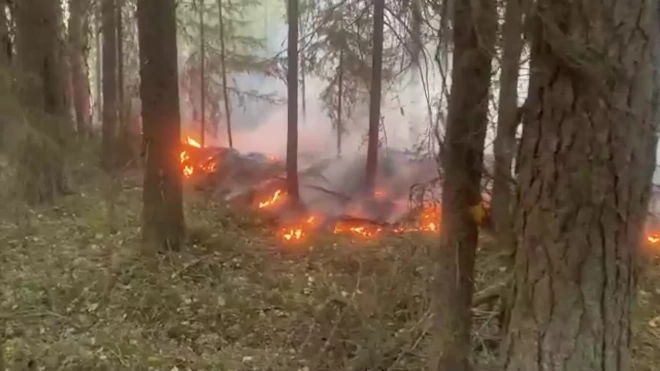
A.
pixel 473 34
pixel 586 161
pixel 507 122
pixel 163 223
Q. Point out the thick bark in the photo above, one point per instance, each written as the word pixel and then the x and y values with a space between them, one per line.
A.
pixel 375 96
pixel 225 87
pixel 473 35
pixel 78 21
pixel 507 122
pixel 39 53
pixel 292 104
pixel 162 224
pixel 584 174
pixel 109 125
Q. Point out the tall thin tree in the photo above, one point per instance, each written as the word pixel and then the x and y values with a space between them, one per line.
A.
pixel 5 39
pixel 507 122
pixel 162 214
pixel 202 74
pixel 292 104
pixel 375 96
pixel 474 29
pixel 78 45
pixel 225 88
pixel 109 125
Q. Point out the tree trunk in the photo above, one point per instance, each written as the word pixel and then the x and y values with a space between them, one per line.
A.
pixel 507 123
pixel 78 42
pixel 417 20
pixel 120 65
pixel 5 39
pixel 303 73
pixel 202 74
pixel 585 166
pixel 473 34
pixel 292 104
pixel 375 96
pixel 39 52
pixel 109 14
pixel 99 62
pixel 163 223
pixel 340 96
pixel 225 88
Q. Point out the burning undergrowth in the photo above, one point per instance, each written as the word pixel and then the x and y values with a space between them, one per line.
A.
pixel 331 191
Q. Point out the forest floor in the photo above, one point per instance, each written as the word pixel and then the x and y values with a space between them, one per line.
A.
pixel 76 295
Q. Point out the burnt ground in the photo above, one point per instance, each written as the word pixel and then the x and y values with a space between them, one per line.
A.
pixel 76 294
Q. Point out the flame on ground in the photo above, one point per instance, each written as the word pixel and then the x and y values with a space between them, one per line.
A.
pixel 188 168
pixel 428 220
pixel 277 196
pixel 297 232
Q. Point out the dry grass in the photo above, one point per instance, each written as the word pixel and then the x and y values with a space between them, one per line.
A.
pixel 75 297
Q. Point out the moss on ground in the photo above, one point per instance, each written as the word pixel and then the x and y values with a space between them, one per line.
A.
pixel 76 295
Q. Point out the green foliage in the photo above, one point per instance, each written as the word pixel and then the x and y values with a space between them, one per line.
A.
pixel 344 28
pixel 244 52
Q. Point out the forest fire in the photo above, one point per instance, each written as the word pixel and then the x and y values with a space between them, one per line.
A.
pixel 188 163
pixel 427 218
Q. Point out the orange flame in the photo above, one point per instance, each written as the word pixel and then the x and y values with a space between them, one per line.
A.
pixel 272 200
pixel 193 142
pixel 362 229
pixel 185 161
pixel 429 218
pixel 653 238
pixel 297 232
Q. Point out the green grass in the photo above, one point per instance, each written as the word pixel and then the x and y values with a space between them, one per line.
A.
pixel 74 296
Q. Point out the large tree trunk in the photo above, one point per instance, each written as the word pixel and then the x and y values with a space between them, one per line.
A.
pixel 163 224
pixel 473 35
pixel 225 87
pixel 39 52
pixel 109 16
pixel 586 161
pixel 507 123
pixel 78 40
pixel 292 104
pixel 375 96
